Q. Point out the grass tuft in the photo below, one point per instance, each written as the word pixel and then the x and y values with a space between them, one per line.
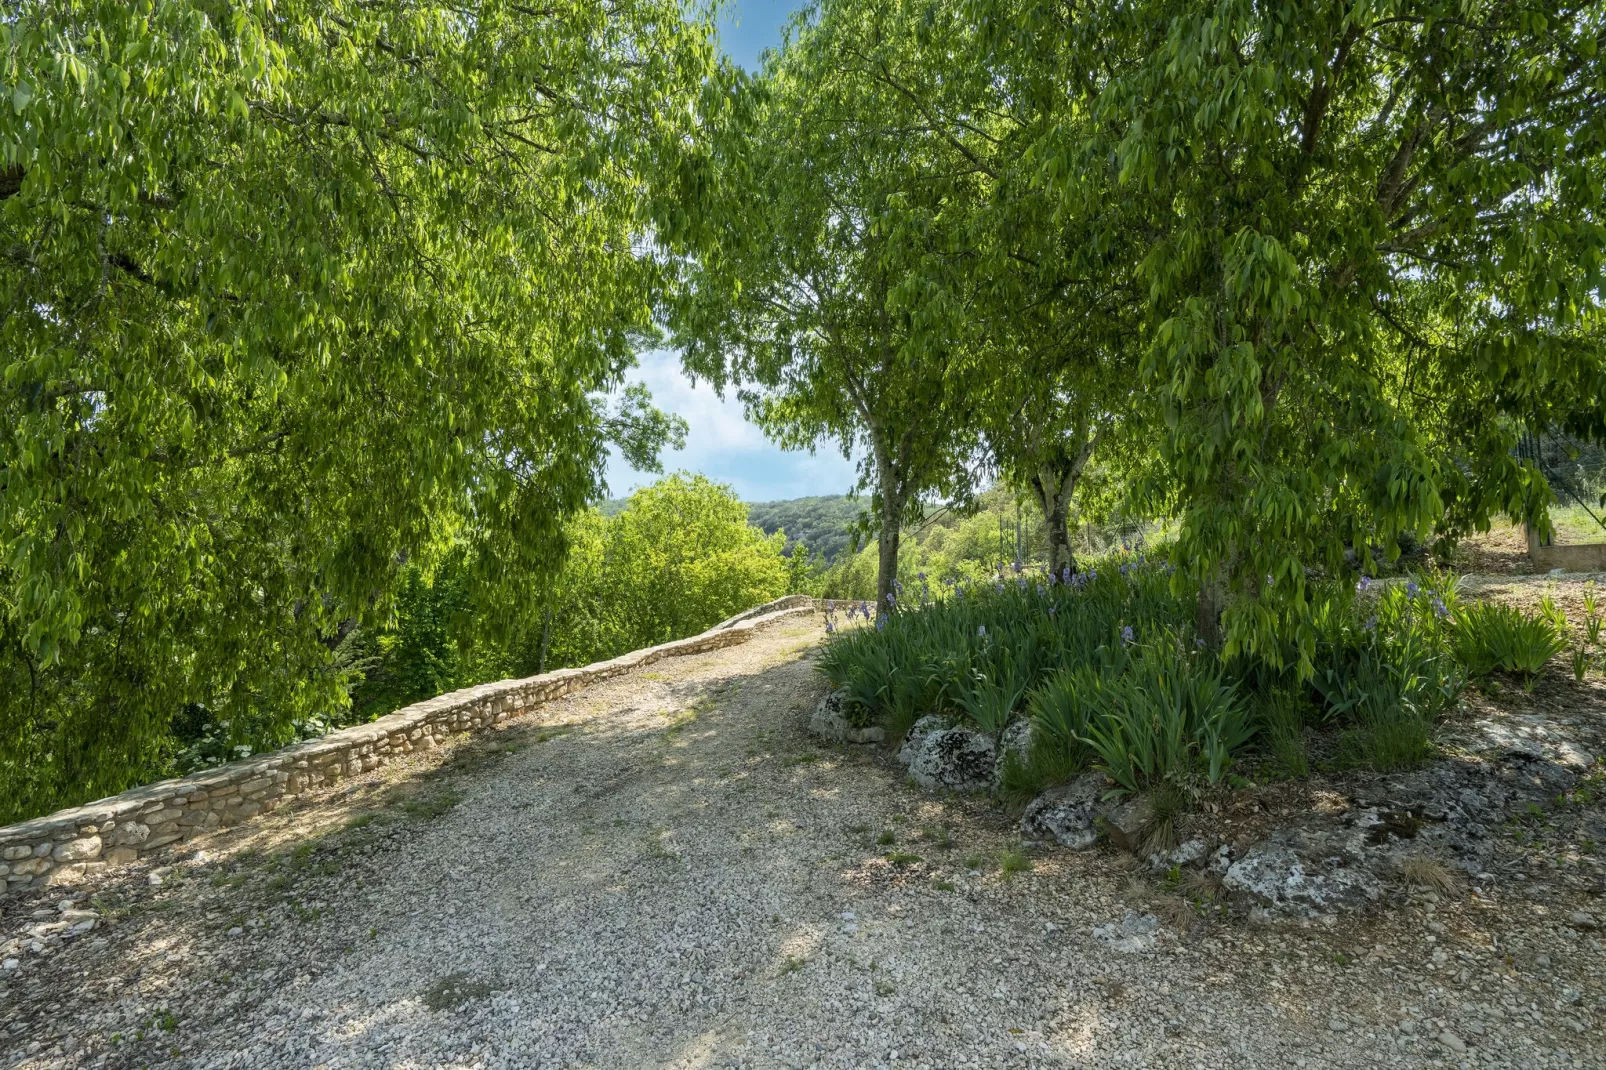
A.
pixel 454 991
pixel 1012 862
pixel 1432 875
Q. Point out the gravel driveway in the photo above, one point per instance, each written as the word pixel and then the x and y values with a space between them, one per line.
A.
pixel 665 871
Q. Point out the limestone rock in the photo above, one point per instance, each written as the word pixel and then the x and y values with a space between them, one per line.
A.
pixel 1273 873
pixel 955 758
pixel 1127 820
pixel 131 832
pixel 1183 854
pixel 79 850
pixel 1133 934
pixel 831 723
pixel 1014 745
pixel 927 726
pixel 1065 813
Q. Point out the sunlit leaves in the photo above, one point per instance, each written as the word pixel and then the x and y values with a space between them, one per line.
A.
pixel 1373 255
pixel 294 296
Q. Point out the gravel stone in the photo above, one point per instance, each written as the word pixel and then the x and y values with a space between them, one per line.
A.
pixel 668 870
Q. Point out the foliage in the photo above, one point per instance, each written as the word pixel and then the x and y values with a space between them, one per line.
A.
pixel 1373 245
pixel 680 558
pixel 1386 666
pixel 824 524
pixel 677 559
pixel 1490 636
pixel 813 297
pixel 974 543
pixel 295 296
pixel 1134 701
pixel 1167 717
pixel 1105 665
pixel 990 698
pixel 1329 262
pixel 1592 615
pixel 1280 714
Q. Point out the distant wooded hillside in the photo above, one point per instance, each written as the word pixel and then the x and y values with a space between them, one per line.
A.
pixel 820 523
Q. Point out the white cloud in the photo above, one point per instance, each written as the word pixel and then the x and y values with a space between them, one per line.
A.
pixel 723 445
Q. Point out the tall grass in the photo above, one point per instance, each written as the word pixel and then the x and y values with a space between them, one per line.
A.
pixel 1105 666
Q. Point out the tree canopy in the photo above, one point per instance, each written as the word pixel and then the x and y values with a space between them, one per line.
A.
pixel 291 296
pixel 828 288
pixel 311 311
pixel 1326 261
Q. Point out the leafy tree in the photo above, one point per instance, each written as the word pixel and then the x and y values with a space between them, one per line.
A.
pixel 828 289
pixel 1374 256
pixel 823 524
pixel 679 558
pixel 292 297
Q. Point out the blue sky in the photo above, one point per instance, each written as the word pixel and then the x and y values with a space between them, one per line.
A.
pixel 720 442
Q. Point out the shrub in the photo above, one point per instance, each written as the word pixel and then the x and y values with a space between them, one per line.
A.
pixel 1106 667
pixel 1387 741
pixel 1492 636
pixel 989 699
pixel 1281 719
pixel 1386 668
pixel 1169 718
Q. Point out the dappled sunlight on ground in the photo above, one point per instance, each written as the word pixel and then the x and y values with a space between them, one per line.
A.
pixel 671 873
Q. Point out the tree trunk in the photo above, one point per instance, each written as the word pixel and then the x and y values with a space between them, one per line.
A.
pixel 546 635
pixel 1213 594
pixel 887 574
pixel 891 531
pixel 1059 537
pixel 1053 493
pixel 1053 484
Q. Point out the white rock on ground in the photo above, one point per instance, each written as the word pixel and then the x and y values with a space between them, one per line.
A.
pixel 1066 813
pixel 1014 745
pixel 955 759
pixel 831 724
pixel 915 738
pixel 666 872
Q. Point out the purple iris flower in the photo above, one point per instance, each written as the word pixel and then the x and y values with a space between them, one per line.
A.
pixel 1411 589
pixel 1126 634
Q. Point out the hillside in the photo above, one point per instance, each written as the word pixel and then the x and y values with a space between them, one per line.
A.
pixel 821 523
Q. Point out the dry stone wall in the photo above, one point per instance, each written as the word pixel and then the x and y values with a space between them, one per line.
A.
pixel 86 840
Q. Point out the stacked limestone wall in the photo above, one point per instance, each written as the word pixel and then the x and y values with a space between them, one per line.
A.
pixel 86 840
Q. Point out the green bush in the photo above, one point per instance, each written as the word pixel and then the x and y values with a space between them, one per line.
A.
pixel 990 698
pixel 1107 668
pixel 1168 718
pixel 1492 636
pixel 1280 715
pixel 1386 668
